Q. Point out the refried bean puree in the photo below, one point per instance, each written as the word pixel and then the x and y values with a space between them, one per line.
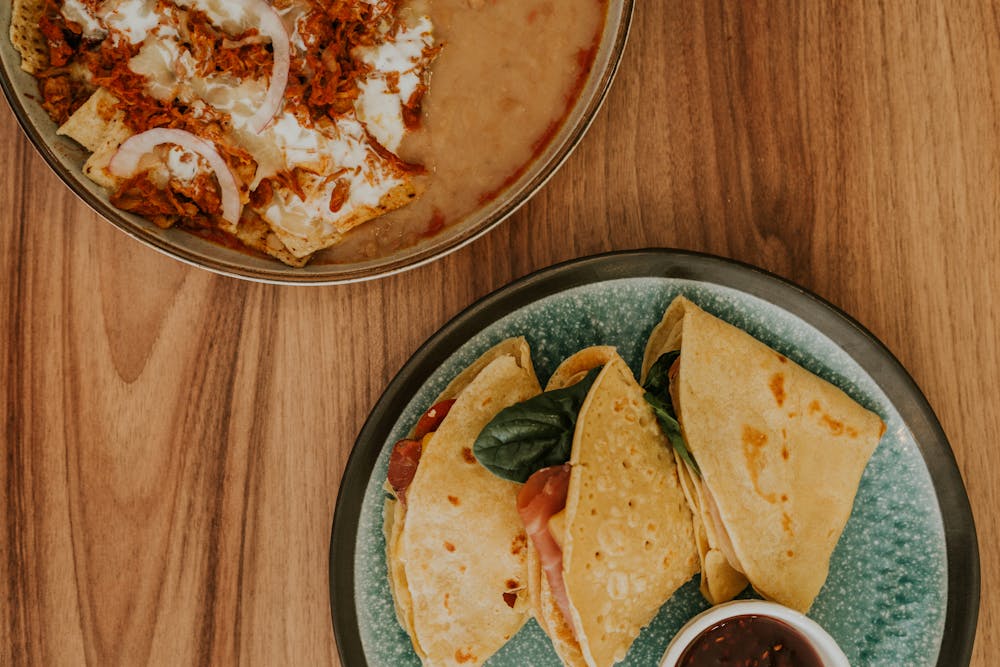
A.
pixel 506 77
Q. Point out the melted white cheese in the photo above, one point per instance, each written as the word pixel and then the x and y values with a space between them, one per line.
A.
pixel 131 18
pixel 76 12
pixel 163 62
pixel 184 165
pixel 403 54
pixel 367 178
pixel 229 15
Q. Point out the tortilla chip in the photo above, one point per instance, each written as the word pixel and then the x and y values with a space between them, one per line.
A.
pixel 26 37
pixel 461 543
pixel 781 452
pixel 254 233
pixel 300 246
pixel 96 166
pixel 91 124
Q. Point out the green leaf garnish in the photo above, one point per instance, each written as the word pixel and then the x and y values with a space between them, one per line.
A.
pixel 657 394
pixel 534 434
pixel 671 429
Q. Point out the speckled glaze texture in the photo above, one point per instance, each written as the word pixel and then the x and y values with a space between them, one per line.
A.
pixel 884 601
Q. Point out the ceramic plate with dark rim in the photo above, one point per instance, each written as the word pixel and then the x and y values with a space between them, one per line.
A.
pixel 903 587
pixel 66 158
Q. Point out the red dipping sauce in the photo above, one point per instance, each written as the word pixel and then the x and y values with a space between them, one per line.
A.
pixel 750 641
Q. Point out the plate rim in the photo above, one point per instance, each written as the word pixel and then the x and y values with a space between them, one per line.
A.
pixel 864 348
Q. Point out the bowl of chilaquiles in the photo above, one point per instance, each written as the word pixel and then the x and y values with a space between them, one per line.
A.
pixel 308 141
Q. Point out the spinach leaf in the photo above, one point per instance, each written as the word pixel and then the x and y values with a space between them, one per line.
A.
pixel 671 429
pixel 657 394
pixel 534 434
pixel 658 379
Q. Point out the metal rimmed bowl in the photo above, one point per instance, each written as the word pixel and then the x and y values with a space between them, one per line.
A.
pixel 66 158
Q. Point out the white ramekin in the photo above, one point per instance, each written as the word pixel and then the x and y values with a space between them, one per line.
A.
pixel 825 646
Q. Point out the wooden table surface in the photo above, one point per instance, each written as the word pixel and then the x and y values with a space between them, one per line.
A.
pixel 173 441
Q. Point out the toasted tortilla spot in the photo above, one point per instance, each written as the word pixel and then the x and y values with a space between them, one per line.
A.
pixel 777 385
pixel 518 544
pixel 753 445
pixel 836 426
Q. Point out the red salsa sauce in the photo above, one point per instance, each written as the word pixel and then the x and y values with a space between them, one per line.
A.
pixel 750 641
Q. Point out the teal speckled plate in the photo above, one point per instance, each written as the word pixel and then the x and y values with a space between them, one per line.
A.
pixel 903 588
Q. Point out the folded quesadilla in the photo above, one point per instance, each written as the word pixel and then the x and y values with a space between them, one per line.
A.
pixel 770 455
pixel 611 533
pixel 455 546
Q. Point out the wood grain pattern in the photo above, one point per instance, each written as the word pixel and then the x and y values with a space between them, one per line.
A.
pixel 173 441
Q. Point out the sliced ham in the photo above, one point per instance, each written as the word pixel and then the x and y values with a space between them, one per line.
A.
pixel 543 495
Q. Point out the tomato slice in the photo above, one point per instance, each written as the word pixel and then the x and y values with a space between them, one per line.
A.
pixel 431 420
pixel 403 466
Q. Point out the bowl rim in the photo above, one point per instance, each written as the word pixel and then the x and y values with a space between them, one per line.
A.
pixel 827 648
pixel 542 168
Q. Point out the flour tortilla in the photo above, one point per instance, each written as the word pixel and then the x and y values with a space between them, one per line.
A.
pixel 781 453
pixel 459 544
pixel 626 533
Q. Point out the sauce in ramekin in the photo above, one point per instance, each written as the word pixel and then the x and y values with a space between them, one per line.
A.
pixel 750 641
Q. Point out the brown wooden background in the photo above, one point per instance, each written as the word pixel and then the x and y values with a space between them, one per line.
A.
pixel 173 441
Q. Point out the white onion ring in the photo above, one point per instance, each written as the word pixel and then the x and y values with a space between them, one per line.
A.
pixel 125 162
pixel 270 24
